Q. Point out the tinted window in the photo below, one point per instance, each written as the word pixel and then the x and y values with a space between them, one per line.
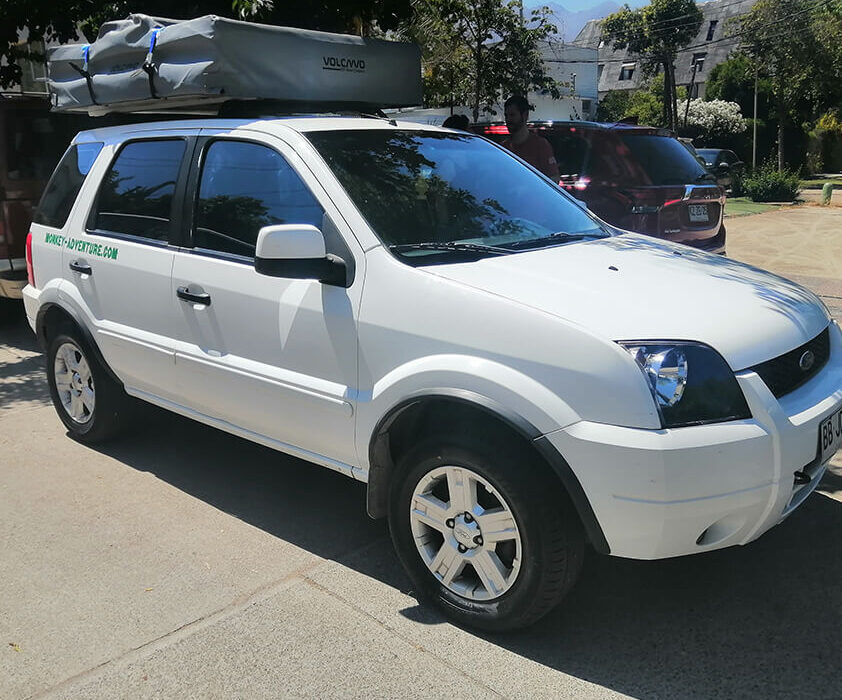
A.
pixel 570 150
pixel 426 187
pixel 136 194
pixel 244 187
pixel 664 159
pixel 64 185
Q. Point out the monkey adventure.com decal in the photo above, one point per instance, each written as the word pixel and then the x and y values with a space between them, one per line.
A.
pixel 87 247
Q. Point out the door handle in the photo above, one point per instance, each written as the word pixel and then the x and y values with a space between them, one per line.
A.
pixel 81 268
pixel 203 298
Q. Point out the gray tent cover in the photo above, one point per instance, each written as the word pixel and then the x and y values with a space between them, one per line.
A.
pixel 146 63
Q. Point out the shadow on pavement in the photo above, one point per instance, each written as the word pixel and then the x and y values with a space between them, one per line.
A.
pixel 762 620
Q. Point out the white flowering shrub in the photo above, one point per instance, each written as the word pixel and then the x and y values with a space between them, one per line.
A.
pixel 715 118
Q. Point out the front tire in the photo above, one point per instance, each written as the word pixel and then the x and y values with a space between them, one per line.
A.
pixel 90 403
pixel 484 531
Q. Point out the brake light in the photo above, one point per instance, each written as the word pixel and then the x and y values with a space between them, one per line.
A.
pixel 496 129
pixel 30 273
pixel 582 183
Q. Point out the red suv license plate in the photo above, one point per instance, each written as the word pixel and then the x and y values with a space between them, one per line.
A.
pixel 698 213
pixel 830 435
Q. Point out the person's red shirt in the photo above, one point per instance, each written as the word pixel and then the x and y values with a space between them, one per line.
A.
pixel 538 152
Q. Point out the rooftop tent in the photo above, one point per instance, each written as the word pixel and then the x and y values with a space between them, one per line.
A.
pixel 146 63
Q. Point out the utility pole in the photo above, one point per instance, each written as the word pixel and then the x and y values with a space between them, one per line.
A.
pixel 690 92
pixel 754 126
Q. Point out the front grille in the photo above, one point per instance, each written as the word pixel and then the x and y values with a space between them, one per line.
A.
pixel 784 373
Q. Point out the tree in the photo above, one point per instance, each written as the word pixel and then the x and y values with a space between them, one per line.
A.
pixel 778 37
pixel 715 118
pixel 60 20
pixel 655 33
pixel 645 105
pixel 489 47
pixel 733 81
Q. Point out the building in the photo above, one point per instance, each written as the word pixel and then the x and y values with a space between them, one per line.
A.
pixel 574 68
pixel 620 70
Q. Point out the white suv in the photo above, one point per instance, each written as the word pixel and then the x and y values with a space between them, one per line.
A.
pixel 420 310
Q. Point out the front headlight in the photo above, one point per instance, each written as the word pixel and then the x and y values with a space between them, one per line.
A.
pixel 690 382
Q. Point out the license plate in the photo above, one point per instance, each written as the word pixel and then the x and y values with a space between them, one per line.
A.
pixel 830 435
pixel 698 213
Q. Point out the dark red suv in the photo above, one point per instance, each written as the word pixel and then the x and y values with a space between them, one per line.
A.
pixel 637 178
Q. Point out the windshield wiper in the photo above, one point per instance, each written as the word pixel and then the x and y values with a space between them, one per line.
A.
pixel 450 246
pixel 557 236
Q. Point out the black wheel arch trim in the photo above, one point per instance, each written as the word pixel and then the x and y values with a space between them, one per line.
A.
pixel 87 336
pixel 379 464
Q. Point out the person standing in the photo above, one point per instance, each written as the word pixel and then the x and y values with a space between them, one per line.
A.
pixel 534 149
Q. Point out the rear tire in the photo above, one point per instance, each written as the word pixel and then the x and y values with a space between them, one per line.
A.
pixel 484 531
pixel 90 403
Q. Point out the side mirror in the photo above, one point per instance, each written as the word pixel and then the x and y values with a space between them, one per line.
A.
pixel 297 251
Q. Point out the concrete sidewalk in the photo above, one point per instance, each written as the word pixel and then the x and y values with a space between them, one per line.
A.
pixel 802 243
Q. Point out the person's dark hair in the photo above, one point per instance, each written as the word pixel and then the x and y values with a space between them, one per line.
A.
pixel 518 101
pixel 457 121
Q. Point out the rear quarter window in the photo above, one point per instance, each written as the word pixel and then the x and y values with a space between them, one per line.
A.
pixel 65 183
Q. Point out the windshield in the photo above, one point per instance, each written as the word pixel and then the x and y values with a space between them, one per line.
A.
pixel 665 159
pixel 433 196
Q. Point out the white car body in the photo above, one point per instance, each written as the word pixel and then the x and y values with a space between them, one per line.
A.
pixel 314 370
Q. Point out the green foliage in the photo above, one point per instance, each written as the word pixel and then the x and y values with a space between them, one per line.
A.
pixel 612 107
pixel 824 149
pixel 733 81
pixel 474 49
pixel 655 33
pixel 768 184
pixel 645 104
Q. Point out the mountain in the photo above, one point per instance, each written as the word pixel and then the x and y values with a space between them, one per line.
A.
pixel 574 14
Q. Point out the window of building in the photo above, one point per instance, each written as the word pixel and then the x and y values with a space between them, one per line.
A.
pixel 627 71
pixel 694 91
pixel 599 69
pixel 712 29
pixel 586 107
pixel 137 192
pixel 601 44
pixel 244 187
pixel 698 61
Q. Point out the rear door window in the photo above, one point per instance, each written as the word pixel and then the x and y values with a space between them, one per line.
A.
pixel 136 196
pixel 65 183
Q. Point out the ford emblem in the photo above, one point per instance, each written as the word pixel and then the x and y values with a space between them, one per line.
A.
pixel 807 360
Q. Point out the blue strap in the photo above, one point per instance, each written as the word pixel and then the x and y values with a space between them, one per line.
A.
pixel 153 40
pixel 86 50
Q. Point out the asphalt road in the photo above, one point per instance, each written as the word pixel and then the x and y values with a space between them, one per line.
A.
pixel 184 562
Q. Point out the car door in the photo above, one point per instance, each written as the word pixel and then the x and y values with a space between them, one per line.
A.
pixel 274 357
pixel 118 259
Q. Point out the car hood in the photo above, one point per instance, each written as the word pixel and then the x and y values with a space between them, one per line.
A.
pixel 632 287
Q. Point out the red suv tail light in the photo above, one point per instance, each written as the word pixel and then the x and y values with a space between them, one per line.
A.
pixel 30 273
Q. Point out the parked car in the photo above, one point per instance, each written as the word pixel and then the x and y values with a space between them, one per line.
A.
pixel 637 178
pixel 688 144
pixel 415 308
pixel 724 164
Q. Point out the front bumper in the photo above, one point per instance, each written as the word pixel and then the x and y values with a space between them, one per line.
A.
pixel 664 493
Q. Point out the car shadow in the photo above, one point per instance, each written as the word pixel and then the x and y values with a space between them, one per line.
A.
pixel 762 620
